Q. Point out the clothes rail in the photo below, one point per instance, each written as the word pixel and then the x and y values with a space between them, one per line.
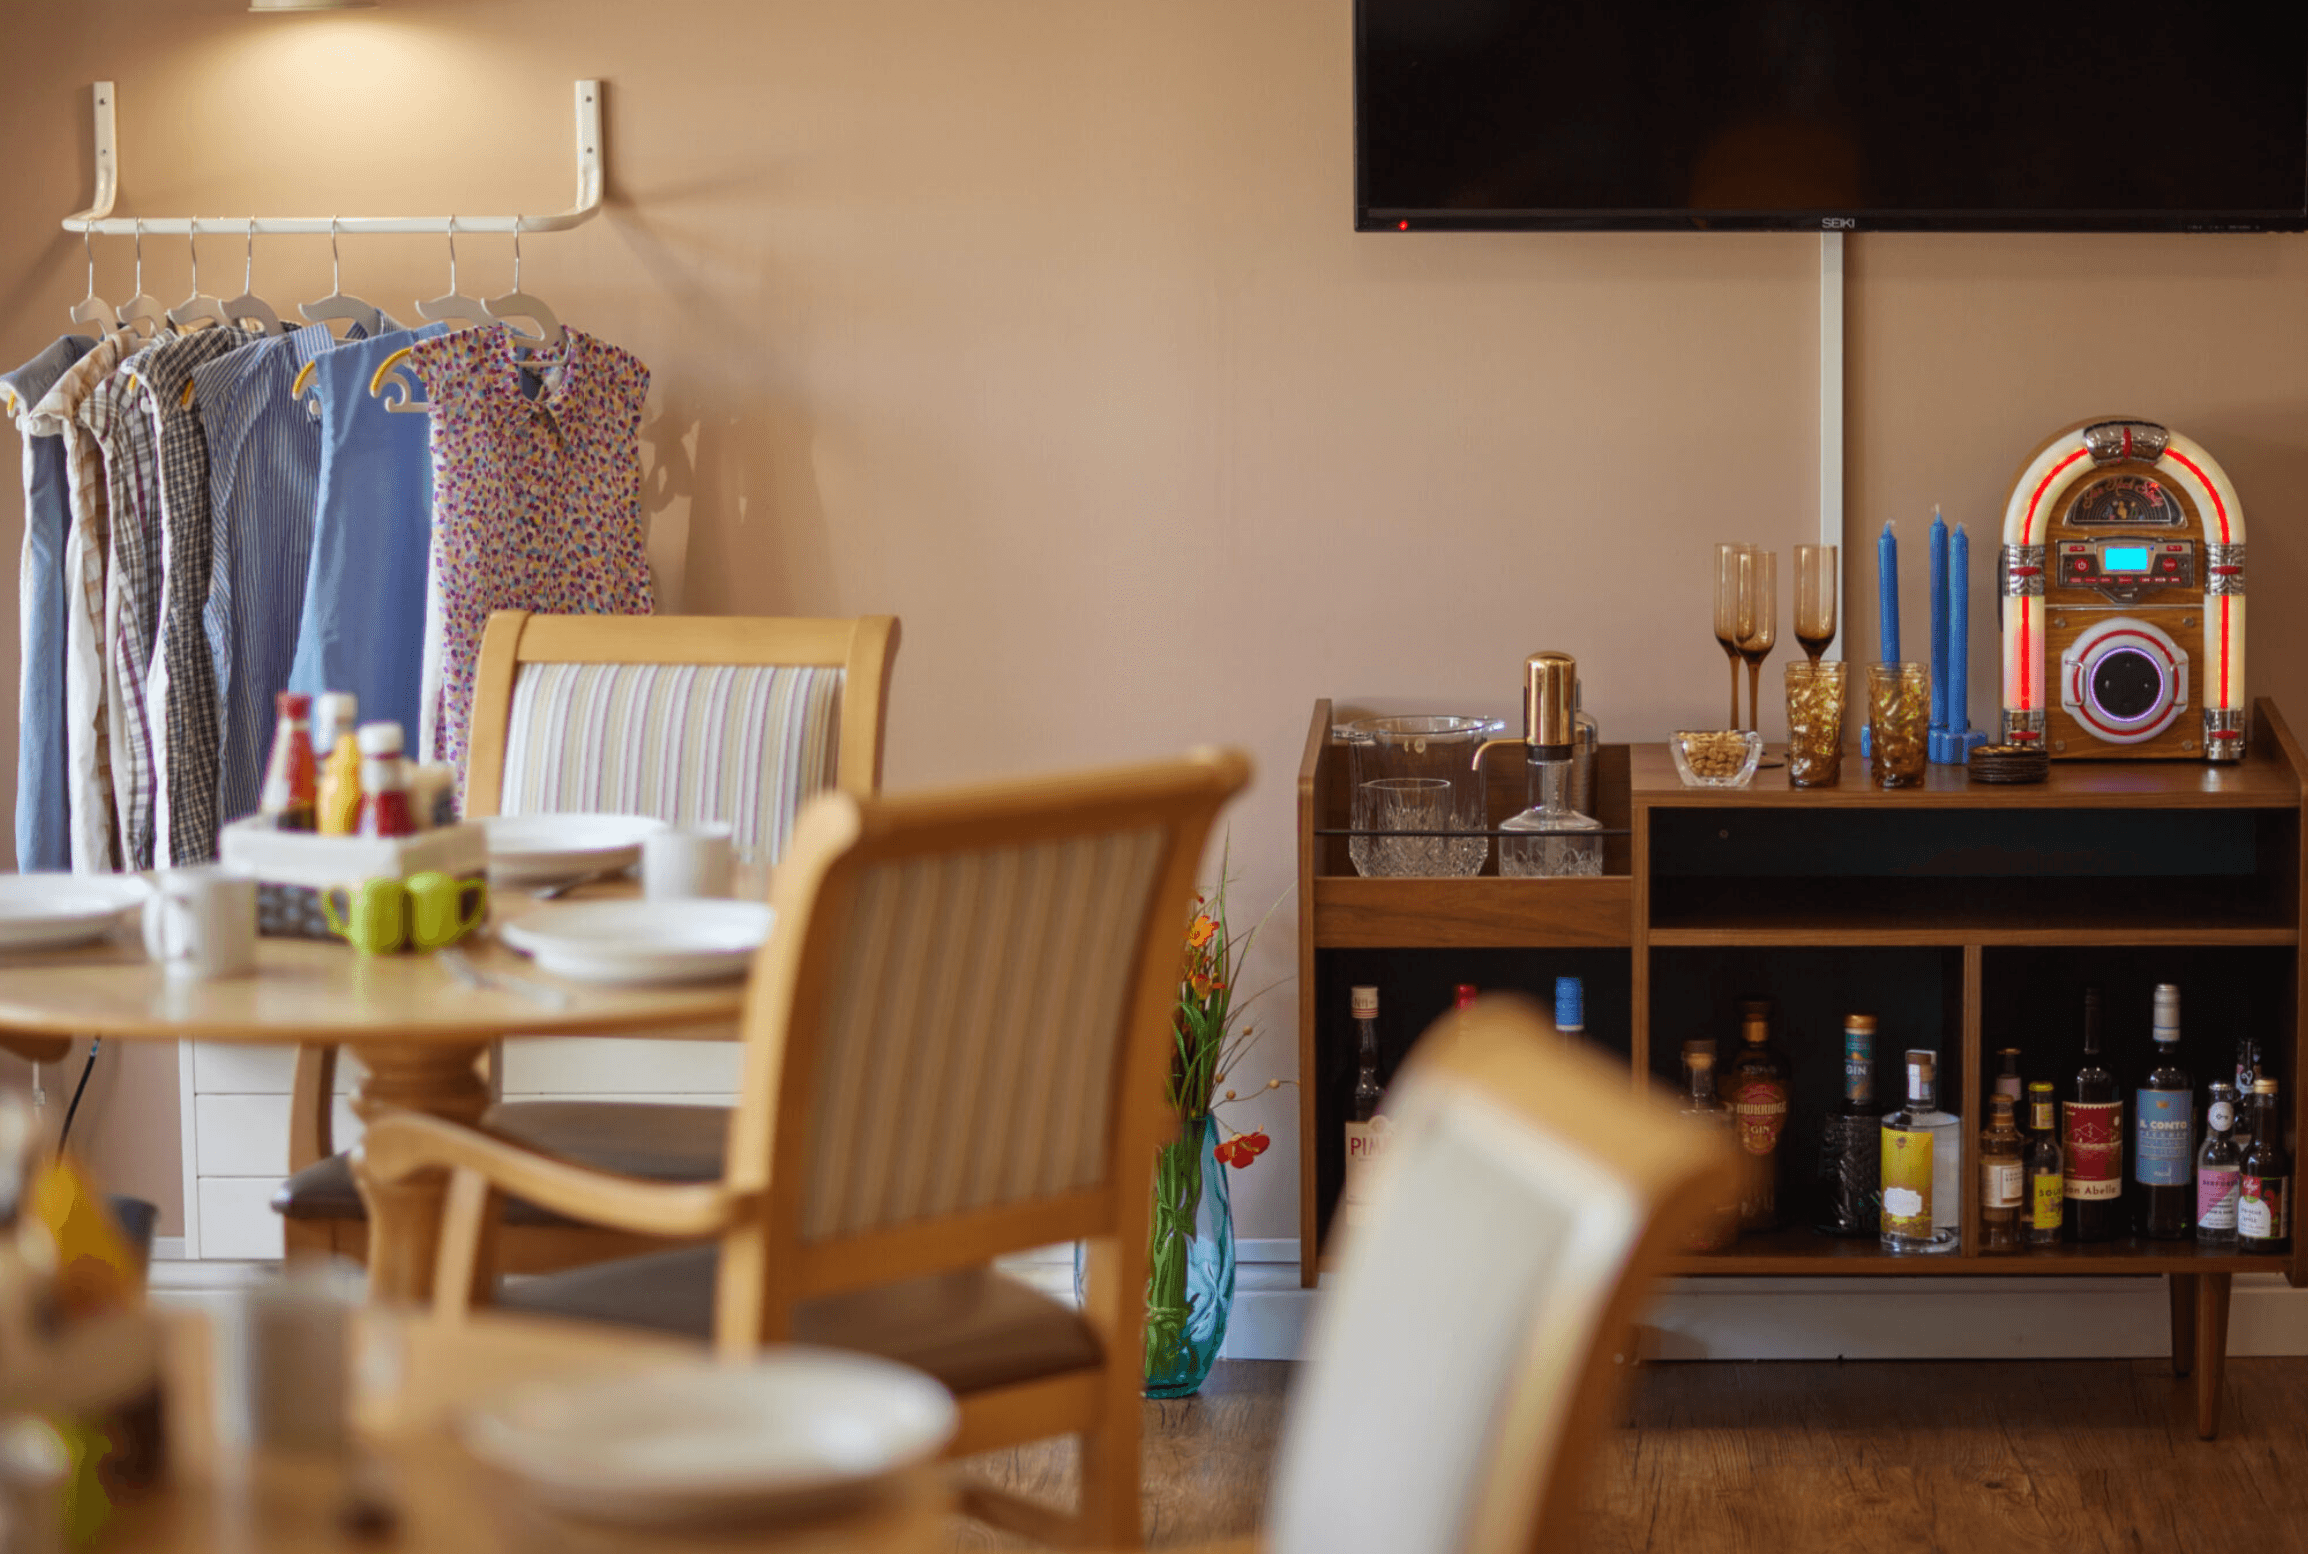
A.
pixel 98 216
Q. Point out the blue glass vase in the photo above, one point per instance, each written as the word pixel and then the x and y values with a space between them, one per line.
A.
pixel 1189 1263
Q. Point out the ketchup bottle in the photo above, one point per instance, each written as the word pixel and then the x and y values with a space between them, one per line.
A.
pixel 385 807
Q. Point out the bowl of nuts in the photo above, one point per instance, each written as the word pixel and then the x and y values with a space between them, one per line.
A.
pixel 1716 758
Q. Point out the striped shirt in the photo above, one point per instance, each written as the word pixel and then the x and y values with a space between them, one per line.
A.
pixel 43 811
pixel 87 732
pixel 264 454
pixel 118 414
pixel 181 693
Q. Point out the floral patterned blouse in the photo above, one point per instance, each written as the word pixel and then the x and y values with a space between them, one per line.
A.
pixel 536 493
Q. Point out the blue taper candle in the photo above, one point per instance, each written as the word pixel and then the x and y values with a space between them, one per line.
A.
pixel 1938 554
pixel 1887 595
pixel 1959 634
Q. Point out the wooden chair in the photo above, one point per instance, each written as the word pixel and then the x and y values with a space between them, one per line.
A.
pixel 955 1048
pixel 733 718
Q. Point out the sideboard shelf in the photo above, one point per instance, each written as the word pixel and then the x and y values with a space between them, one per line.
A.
pixel 1968 916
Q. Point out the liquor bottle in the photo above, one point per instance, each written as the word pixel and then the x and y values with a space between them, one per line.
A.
pixel 1570 1006
pixel 2002 1178
pixel 2264 1188
pixel 385 808
pixel 1757 1089
pixel 2249 1060
pixel 1922 1166
pixel 2093 1141
pixel 2217 1175
pixel 2008 1081
pixel 1720 1227
pixel 1366 1125
pixel 290 785
pixel 2163 1131
pixel 1851 1143
pixel 2047 1186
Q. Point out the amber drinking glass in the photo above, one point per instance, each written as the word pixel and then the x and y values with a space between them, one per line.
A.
pixel 1730 577
pixel 1815 597
pixel 1815 724
pixel 1898 723
pixel 1758 622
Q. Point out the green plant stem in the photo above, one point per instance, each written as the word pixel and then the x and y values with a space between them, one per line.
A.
pixel 1177 1206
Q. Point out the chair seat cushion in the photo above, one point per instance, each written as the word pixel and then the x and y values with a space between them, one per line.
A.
pixel 972 1330
pixel 659 1143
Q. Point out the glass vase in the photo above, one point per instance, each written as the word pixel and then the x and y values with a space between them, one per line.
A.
pixel 1189 1263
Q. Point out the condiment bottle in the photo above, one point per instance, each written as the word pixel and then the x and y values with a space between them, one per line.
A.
pixel 288 796
pixel 339 807
pixel 385 807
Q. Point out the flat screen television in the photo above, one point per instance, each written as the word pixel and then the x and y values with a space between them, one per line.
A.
pixel 2025 116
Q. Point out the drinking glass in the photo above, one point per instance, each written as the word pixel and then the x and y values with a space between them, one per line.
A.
pixel 1758 622
pixel 1729 560
pixel 1815 724
pixel 1403 804
pixel 1898 723
pixel 1815 589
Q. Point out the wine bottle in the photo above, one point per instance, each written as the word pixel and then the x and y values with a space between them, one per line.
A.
pixel 2163 1131
pixel 2094 1141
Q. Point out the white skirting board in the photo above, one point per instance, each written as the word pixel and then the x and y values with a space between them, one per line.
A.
pixel 1930 1317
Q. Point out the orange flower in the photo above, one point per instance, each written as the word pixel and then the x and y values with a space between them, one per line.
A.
pixel 1199 934
pixel 1242 1148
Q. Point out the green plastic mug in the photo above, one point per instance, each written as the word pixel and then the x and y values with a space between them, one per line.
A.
pixel 374 918
pixel 443 908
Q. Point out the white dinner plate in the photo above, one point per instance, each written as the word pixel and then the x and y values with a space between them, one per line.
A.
pixel 793 1431
pixel 637 942
pixel 50 911
pixel 539 849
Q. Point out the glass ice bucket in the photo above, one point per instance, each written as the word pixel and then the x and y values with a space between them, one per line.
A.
pixel 1417 775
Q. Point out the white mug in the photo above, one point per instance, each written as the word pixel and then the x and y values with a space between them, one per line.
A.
pixel 201 922
pixel 686 862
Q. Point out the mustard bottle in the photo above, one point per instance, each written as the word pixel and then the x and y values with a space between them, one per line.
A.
pixel 340 784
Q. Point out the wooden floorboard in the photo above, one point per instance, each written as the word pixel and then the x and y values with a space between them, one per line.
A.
pixel 2065 1457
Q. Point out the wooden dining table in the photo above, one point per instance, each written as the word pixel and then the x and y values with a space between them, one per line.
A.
pixel 419 1031
pixel 411 1485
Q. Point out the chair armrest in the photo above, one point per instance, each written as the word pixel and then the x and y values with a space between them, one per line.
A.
pixel 397 1146
pixel 312 1106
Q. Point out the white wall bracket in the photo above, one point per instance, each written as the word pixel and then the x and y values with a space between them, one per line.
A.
pixel 98 216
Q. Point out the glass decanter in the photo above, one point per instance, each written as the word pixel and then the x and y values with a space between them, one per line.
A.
pixel 1550 839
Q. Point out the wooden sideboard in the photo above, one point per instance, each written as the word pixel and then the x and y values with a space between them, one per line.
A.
pixel 1967 917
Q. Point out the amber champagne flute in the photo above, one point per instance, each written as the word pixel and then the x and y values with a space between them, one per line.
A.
pixel 1729 572
pixel 1758 622
pixel 1815 586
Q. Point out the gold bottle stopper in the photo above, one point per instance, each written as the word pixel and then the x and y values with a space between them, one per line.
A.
pixel 1550 720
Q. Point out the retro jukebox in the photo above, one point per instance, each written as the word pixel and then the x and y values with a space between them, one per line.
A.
pixel 2123 599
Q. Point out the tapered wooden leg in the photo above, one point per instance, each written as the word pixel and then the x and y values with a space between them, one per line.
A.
pixel 2211 1349
pixel 2183 1294
pixel 405 1217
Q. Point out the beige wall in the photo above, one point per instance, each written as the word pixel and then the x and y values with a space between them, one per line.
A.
pixel 1040 323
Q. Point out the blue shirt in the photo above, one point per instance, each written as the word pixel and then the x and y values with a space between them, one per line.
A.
pixel 364 617
pixel 43 805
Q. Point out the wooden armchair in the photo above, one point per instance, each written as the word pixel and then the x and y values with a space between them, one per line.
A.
pixel 955 1046
pixel 687 718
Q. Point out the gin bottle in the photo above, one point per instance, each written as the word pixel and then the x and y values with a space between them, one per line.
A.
pixel 2163 1125
pixel 2047 1178
pixel 2216 1172
pixel 1922 1167
pixel 1851 1143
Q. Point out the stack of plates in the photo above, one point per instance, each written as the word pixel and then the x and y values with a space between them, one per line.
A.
pixel 639 942
pixel 52 911
pixel 2010 763
pixel 796 1432
pixel 545 849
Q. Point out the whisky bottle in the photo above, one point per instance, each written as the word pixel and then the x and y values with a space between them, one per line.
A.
pixel 1757 1089
pixel 2216 1172
pixel 1922 1167
pixel 2002 1178
pixel 1720 1227
pixel 1851 1142
pixel 2163 1131
pixel 2264 1188
pixel 1366 1131
pixel 2047 1187
pixel 2093 1141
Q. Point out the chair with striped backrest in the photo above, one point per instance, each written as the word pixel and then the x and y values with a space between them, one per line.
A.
pixel 956 1042
pixel 735 719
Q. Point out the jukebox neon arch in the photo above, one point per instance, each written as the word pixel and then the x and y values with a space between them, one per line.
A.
pixel 2139 656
